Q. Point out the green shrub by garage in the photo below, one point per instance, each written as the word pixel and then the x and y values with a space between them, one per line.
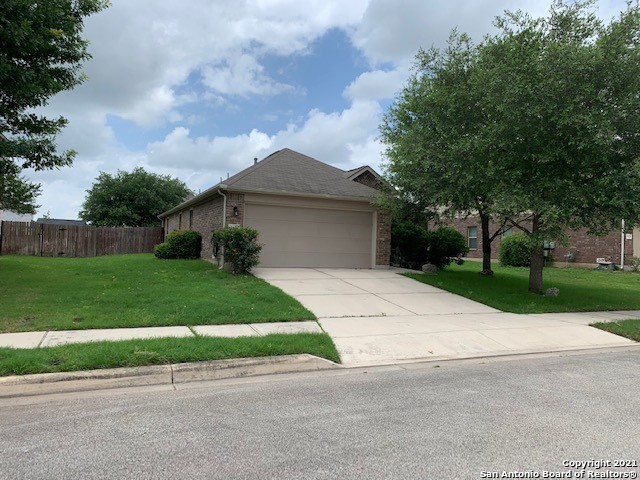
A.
pixel 240 246
pixel 409 244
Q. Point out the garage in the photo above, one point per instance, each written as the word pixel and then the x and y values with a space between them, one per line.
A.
pixel 312 237
pixel 308 213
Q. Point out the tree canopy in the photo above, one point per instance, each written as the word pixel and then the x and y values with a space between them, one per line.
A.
pixel 132 199
pixel 41 54
pixel 437 159
pixel 553 130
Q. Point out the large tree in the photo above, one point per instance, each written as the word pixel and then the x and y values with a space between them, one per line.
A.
pixel 542 124
pixel 562 107
pixel 131 199
pixel 437 160
pixel 41 52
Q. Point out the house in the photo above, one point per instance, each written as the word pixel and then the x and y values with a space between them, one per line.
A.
pixel 11 216
pixel 61 221
pixel 582 249
pixel 307 213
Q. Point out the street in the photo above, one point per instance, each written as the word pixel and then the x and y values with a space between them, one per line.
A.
pixel 448 420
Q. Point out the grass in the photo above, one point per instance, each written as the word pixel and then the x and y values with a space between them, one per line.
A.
pixel 581 290
pixel 624 328
pixel 133 353
pixel 39 293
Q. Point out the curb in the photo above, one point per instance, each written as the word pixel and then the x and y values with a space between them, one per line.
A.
pixel 174 374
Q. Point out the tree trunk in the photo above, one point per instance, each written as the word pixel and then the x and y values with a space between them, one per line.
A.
pixel 486 245
pixel 537 261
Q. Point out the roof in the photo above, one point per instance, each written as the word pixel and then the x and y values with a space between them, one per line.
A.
pixel 356 172
pixel 60 221
pixel 287 172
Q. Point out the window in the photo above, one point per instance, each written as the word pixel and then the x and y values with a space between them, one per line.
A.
pixel 190 219
pixel 472 238
pixel 506 231
pixel 180 222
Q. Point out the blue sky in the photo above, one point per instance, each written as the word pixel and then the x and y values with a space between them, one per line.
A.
pixel 197 89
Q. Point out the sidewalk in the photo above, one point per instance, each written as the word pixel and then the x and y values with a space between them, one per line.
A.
pixel 366 341
pixel 53 338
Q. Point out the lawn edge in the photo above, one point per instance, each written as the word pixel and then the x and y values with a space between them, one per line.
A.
pixel 153 375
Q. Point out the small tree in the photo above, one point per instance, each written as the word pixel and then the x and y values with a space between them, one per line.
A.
pixel 240 247
pixel 131 199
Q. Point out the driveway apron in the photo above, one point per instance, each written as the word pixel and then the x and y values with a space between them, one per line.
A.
pixel 378 317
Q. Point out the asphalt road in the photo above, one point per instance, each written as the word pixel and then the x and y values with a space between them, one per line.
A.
pixel 455 420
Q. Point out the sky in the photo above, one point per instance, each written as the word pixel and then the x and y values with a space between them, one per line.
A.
pixel 197 89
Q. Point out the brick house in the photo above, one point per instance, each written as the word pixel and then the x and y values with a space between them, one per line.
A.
pixel 307 213
pixel 585 249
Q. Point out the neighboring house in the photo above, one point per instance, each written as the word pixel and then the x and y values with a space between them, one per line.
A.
pixel 581 249
pixel 11 216
pixel 61 221
pixel 307 213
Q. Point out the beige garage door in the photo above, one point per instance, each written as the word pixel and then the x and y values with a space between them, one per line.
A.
pixel 311 237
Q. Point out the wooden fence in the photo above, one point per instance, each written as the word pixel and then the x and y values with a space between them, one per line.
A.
pixel 49 240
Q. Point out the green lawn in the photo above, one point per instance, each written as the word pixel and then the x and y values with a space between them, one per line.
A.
pixel 132 353
pixel 132 291
pixel 624 328
pixel 581 290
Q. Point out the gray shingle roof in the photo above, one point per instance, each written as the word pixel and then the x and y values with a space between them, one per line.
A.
pixel 288 172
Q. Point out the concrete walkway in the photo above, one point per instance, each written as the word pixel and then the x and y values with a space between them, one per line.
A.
pixel 53 338
pixel 379 317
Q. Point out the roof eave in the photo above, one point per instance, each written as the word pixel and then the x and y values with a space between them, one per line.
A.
pixel 359 171
pixel 206 195
pixel 351 198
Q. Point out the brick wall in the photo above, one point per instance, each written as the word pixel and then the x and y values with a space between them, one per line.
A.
pixel 235 200
pixel 383 238
pixel 586 248
pixel 205 218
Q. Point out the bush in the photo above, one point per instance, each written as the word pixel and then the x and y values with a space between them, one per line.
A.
pixel 409 243
pixel 445 244
pixel 180 244
pixel 161 250
pixel 634 263
pixel 241 247
pixel 515 251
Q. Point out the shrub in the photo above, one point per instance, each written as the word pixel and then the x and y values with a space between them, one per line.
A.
pixel 634 263
pixel 161 250
pixel 409 243
pixel 445 244
pixel 515 251
pixel 180 244
pixel 241 247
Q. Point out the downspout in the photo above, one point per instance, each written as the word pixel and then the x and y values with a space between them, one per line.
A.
pixel 622 247
pixel 224 221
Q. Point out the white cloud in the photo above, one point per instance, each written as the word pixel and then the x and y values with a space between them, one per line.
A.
pixel 376 85
pixel 393 31
pixel 243 76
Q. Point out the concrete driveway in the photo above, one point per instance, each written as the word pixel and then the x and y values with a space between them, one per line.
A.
pixel 380 317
